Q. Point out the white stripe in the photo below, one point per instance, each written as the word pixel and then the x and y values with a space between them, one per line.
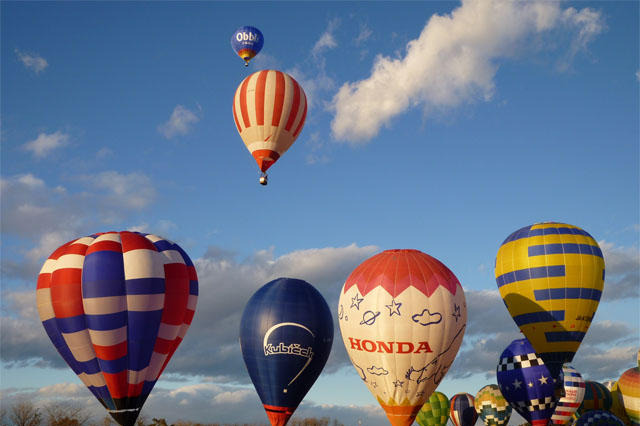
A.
pixel 269 97
pixel 84 240
pixel 48 267
pixel 143 263
pixel 168 331
pixel 108 337
pixel 172 256
pixel 145 302
pixel 104 305
pixel 136 377
pixel 251 98
pixel 108 237
pixel 69 261
pixel 43 301
pixel 193 300
pixel 96 379
pixel 183 330
pixel 155 239
pixel 155 365
pixel 80 345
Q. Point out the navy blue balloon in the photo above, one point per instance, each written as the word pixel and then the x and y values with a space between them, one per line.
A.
pixel 286 332
pixel 247 42
pixel 598 418
pixel 526 383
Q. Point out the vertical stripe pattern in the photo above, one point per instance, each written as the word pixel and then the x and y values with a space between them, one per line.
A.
pixel 116 306
pixel 269 109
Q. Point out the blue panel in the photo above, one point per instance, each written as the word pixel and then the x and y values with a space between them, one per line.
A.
pixel 71 324
pixel 568 248
pixel 567 293
pixel 193 287
pixel 272 367
pixel 247 38
pixel 564 336
pixel 113 366
pixel 103 274
pixel 530 273
pixel 107 321
pixel 163 245
pixel 185 256
pixel 527 232
pixel 145 286
pixel 535 317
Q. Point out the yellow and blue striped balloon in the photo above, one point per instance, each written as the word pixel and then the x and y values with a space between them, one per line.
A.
pixel 550 276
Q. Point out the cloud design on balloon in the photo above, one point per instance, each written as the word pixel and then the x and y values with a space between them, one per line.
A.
pixel 377 371
pixel 427 318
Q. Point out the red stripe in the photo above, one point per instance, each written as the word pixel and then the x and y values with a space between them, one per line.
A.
pixel 69 249
pixel 134 390
pixel 304 116
pixel 109 353
pixel 188 317
pixel 235 113
pixel 279 99
pixel 104 246
pixel 193 275
pixel 117 383
pixel 294 106
pixel 132 241
pixel 243 102
pixel 176 294
pixel 62 250
pixel 163 346
pixel 260 92
pixel 44 281
pixel 66 292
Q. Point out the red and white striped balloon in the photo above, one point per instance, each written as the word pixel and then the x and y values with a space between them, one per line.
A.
pixel 269 109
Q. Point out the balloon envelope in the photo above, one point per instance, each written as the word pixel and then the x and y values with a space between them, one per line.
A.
pixel 402 314
pixel 598 418
pixel 525 381
pixel 434 412
pixel 574 389
pixel 596 397
pixel 551 277
pixel 286 332
pixel 269 109
pixel 462 410
pixel 247 41
pixel 116 306
pixel 629 386
pixel 491 406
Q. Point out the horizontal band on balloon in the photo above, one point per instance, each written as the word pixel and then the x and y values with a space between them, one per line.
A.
pixel 527 232
pixel 530 273
pixel 278 409
pixel 131 302
pixel 567 293
pixel 564 336
pixel 401 410
pixel 564 248
pixel 247 53
pixel 105 288
pixel 536 317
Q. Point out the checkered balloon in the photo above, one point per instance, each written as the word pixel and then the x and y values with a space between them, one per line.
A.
pixel 525 381
pixel 598 418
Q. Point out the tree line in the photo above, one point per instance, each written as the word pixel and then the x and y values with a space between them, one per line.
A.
pixel 26 413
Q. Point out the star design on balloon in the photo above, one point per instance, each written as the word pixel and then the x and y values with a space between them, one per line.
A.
pixel 517 384
pixel 530 384
pixel 398 383
pixel 355 301
pixel 394 308
pixel 543 380
pixel 456 312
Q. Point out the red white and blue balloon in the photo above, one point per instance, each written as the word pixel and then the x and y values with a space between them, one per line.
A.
pixel 525 381
pixel 574 389
pixel 116 306
pixel 462 410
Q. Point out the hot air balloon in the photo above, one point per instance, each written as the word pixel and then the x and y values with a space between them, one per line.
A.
pixel 247 42
pixel 462 410
pixel 596 397
pixel 269 108
pixel 598 418
pixel 617 402
pixel 116 306
pixel 629 385
pixel 551 276
pixel 434 412
pixel 491 406
pixel 525 381
pixel 286 332
pixel 574 389
pixel 402 314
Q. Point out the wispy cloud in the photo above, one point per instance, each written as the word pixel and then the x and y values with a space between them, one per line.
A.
pixel 622 271
pixel 454 61
pixel 364 35
pixel 180 123
pixel 32 61
pixel 327 40
pixel 45 143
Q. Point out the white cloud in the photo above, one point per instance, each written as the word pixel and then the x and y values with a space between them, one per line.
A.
pixel 453 61
pixel 327 40
pixel 233 397
pixel 32 61
pixel 62 389
pixel 45 143
pixel 132 190
pixel 622 276
pixel 364 35
pixel 180 123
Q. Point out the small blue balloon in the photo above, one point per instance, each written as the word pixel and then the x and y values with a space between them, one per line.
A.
pixel 598 418
pixel 286 333
pixel 247 42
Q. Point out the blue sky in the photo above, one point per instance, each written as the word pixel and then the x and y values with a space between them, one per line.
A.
pixel 439 126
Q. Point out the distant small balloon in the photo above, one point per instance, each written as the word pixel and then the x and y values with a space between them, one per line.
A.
pixel 573 395
pixel 434 412
pixel 462 410
pixel 629 385
pixel 247 42
pixel 492 407
pixel 598 418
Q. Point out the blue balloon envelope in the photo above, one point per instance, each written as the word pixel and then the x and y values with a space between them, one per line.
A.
pixel 286 332
pixel 598 418
pixel 247 42
pixel 526 383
